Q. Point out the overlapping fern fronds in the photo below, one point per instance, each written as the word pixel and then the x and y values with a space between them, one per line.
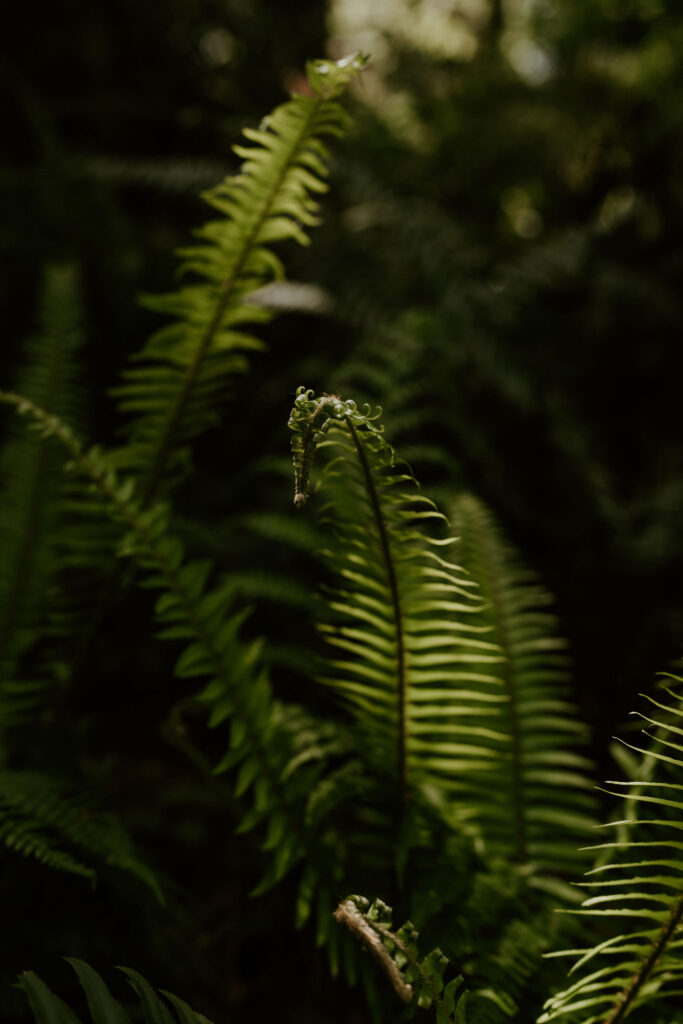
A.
pixel 411 657
pixel 637 894
pixel 47 1008
pixel 176 384
pixel 277 761
pixel 535 800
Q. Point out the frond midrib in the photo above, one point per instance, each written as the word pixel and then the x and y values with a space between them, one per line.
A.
pixel 397 610
pixel 639 979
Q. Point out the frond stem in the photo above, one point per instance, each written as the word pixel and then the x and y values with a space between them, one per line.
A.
pixel 402 683
pixel 658 946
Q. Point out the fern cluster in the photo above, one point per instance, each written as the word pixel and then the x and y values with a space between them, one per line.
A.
pixel 432 755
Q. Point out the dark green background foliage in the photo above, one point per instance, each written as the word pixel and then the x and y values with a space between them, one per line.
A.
pixel 499 267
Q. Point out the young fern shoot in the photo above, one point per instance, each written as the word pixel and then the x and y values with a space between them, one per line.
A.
pixel 640 890
pixel 415 980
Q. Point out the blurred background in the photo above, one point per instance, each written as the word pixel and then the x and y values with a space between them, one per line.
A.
pixel 500 266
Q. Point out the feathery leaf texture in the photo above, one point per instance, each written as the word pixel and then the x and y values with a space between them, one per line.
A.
pixel 410 663
pixel 641 888
pixel 175 389
pixel 279 762
pixel 41 820
pixel 104 1008
pixel 31 476
pixel 534 799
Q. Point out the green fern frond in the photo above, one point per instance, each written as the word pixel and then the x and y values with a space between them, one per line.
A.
pixel 411 662
pixel 175 391
pixel 104 1008
pixel 265 742
pixel 535 800
pixel 31 477
pixel 639 891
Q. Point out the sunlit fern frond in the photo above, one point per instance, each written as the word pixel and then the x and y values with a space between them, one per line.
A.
pixel 411 662
pixel 47 1008
pixel 176 385
pixel 31 478
pixel 636 969
pixel 535 802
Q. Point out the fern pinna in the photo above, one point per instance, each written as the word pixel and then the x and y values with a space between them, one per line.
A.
pixel 535 800
pixel 179 379
pixel 636 890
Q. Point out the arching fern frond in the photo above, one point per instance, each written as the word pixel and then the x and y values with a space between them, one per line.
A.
pixel 640 891
pixel 265 747
pixel 535 800
pixel 411 662
pixel 175 387
pixel 47 1008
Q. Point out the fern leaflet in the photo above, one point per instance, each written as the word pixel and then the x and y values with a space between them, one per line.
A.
pixel 640 889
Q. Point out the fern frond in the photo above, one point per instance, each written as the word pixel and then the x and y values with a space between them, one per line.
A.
pixel 175 391
pixel 40 819
pixel 410 666
pixel 31 477
pixel 104 1008
pixel 420 982
pixel 265 743
pixel 639 892
pixel 535 800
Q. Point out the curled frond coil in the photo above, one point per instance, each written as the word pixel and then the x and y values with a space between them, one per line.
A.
pixel 638 890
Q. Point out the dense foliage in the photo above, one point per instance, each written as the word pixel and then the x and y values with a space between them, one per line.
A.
pixel 223 712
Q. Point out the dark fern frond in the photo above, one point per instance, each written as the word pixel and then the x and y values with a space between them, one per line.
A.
pixel 420 982
pixel 535 800
pixel 176 386
pixel 48 1008
pixel 31 476
pixel 639 890
pixel 40 819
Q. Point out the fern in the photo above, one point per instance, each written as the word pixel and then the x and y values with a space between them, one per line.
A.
pixel 30 469
pixel 419 982
pixel 411 664
pixel 175 392
pixel 48 1008
pixel 265 737
pixel 535 802
pixel 641 886
pixel 40 819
